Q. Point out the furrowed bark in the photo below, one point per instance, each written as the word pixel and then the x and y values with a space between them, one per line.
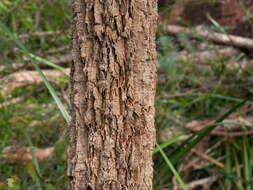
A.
pixel 113 78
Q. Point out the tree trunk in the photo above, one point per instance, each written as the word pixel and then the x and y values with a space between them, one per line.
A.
pixel 113 80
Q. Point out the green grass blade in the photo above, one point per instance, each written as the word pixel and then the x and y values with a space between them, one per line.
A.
pixel 228 170
pixel 197 137
pixel 229 98
pixel 48 85
pixel 172 168
pixel 182 145
pixel 49 63
pixel 238 170
pixel 246 166
pixel 167 143
pixel 55 96
pixel 34 161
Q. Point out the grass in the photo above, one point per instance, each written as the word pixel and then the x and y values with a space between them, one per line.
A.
pixel 21 123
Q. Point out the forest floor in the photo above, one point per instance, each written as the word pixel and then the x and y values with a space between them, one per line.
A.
pixel 205 54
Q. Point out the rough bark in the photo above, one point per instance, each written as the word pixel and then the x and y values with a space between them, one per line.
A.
pixel 113 79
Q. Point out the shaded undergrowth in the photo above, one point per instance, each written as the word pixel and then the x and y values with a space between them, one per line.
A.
pixel 185 92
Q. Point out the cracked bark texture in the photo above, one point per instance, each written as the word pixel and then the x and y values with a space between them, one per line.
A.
pixel 113 78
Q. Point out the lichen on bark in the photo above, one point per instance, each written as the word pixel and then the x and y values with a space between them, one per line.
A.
pixel 113 78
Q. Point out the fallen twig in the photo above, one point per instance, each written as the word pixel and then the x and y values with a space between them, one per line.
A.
pixel 223 130
pixel 23 78
pixel 227 39
pixel 14 154
pixel 170 96
pixel 20 98
pixel 204 57
pixel 38 34
pixel 204 182
pixel 208 158
pixel 208 181
pixel 56 50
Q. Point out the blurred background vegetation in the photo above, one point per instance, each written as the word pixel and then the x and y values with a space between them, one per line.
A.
pixel 202 83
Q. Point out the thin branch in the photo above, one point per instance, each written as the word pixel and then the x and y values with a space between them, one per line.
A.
pixel 227 39
pixel 23 78
pixel 20 98
pixel 38 34
pixel 202 182
pixel 208 158
pixel 224 129
pixel 15 154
